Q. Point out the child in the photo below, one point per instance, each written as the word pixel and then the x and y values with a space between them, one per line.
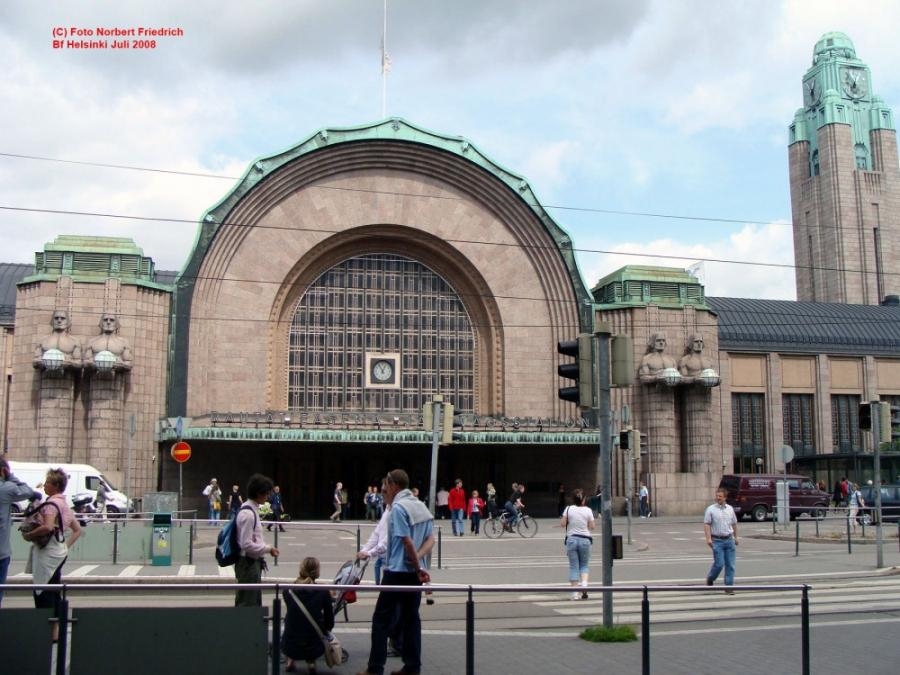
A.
pixel 474 511
pixel 300 640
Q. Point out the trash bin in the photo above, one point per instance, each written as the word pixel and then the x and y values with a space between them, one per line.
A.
pixel 161 539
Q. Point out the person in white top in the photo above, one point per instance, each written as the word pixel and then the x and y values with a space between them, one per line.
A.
pixel 376 546
pixel 854 501
pixel 578 520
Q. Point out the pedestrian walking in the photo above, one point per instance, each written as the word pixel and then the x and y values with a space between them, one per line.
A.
pixel 410 538
pixel 442 503
pixel 490 494
pixel 235 500
pixel 300 640
pixel 578 522
pixel 644 497
pixel 12 490
pixel 855 501
pixel 252 563
pixel 336 502
pixel 456 500
pixel 474 511
pixel 45 562
pixel 720 527
pixel 345 503
pixel 276 503
pixel 213 494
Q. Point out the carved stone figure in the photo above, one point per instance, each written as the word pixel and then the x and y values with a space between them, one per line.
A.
pixel 694 361
pixel 655 361
pixel 59 340
pixel 109 341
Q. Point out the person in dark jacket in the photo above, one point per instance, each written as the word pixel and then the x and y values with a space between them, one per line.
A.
pixel 300 641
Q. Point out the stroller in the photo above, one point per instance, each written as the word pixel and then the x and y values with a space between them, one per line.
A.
pixel 350 574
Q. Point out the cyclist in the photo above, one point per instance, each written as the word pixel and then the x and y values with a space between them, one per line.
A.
pixel 513 504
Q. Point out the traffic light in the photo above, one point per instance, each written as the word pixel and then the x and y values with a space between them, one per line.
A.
pixel 638 443
pixel 865 416
pixel 581 370
pixel 447 427
pixel 889 422
pixel 624 440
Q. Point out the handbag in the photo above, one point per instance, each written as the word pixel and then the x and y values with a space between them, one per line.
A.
pixel 33 520
pixel 334 654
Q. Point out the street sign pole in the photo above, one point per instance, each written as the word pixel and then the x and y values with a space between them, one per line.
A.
pixel 877 412
pixel 437 405
pixel 601 359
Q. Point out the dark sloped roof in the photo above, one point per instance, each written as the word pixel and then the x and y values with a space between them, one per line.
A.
pixel 807 327
pixel 13 273
pixel 10 275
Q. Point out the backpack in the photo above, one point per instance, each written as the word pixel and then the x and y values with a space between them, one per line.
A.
pixel 33 519
pixel 227 550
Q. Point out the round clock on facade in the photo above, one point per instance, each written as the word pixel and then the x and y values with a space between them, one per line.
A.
pixel 382 371
pixel 812 92
pixel 854 82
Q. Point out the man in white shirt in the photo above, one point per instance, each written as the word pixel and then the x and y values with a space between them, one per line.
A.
pixel 249 567
pixel 720 526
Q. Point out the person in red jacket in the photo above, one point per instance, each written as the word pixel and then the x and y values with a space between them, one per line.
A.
pixel 474 511
pixel 457 504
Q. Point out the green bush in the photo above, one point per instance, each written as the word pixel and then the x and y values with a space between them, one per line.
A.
pixel 614 634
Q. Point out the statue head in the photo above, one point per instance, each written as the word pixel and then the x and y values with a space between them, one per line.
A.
pixel 60 320
pixel 109 323
pixel 657 343
pixel 695 344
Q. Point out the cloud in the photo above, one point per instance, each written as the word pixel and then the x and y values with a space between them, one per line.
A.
pixel 751 262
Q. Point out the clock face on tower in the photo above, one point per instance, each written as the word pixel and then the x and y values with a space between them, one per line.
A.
pixel 812 91
pixel 854 82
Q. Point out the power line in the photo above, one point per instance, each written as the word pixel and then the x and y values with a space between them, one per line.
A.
pixel 661 256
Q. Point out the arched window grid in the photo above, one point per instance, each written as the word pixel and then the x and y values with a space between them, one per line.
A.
pixel 380 303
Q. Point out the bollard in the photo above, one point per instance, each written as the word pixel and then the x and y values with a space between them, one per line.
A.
pixel 645 633
pixel 804 630
pixel 63 643
pixel 276 631
pixel 115 543
pixel 797 539
pixel 439 547
pixel 275 559
pixel 358 539
pixel 849 542
pixel 470 634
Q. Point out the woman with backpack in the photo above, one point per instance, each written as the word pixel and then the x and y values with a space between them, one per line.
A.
pixel 45 561
pixel 855 501
pixel 300 640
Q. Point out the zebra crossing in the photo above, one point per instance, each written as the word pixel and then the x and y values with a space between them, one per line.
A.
pixel 826 598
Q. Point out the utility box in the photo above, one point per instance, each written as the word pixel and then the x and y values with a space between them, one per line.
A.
pixel 783 501
pixel 618 550
pixel 161 539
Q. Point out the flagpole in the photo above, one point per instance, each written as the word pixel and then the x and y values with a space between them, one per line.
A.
pixel 384 64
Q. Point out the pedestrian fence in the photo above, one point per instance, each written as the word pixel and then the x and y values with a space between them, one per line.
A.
pixel 170 639
pixel 835 523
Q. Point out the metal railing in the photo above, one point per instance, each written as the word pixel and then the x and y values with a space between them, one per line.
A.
pixel 471 591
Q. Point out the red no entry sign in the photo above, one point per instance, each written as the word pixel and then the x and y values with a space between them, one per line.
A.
pixel 181 452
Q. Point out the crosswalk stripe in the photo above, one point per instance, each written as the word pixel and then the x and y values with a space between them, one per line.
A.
pixel 226 571
pixel 131 571
pixel 82 571
pixel 187 570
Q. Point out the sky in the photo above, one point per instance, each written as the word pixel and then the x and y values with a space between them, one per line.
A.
pixel 612 108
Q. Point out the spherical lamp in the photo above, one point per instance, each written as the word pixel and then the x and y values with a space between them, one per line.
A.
pixel 53 359
pixel 670 376
pixel 104 360
pixel 709 378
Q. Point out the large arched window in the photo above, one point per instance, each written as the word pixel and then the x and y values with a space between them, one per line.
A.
pixel 379 304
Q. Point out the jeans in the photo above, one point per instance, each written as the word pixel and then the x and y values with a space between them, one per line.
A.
pixel 578 550
pixel 723 556
pixel 476 522
pixel 512 513
pixel 384 617
pixel 457 522
pixel 4 570
pixel 645 507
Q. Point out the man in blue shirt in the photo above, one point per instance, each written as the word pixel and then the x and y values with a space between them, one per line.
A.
pixel 12 490
pixel 410 537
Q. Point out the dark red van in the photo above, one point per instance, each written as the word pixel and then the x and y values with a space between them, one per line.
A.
pixel 753 494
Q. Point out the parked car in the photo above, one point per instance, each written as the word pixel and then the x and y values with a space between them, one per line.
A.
pixel 890 504
pixel 753 495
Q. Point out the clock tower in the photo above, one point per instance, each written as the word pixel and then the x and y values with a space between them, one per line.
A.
pixel 845 182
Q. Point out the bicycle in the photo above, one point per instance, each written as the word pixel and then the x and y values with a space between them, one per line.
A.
pixel 525 525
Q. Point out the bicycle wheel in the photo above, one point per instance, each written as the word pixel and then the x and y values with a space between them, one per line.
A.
pixel 527 527
pixel 493 528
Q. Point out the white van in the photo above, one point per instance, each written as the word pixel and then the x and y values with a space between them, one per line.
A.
pixel 83 478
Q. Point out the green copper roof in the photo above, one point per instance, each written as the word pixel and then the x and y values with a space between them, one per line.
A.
pixel 837 89
pixel 93 259
pixel 640 285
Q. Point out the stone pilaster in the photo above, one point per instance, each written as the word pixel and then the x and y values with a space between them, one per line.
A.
pixel 57 397
pixel 661 429
pixel 105 418
pixel 697 443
